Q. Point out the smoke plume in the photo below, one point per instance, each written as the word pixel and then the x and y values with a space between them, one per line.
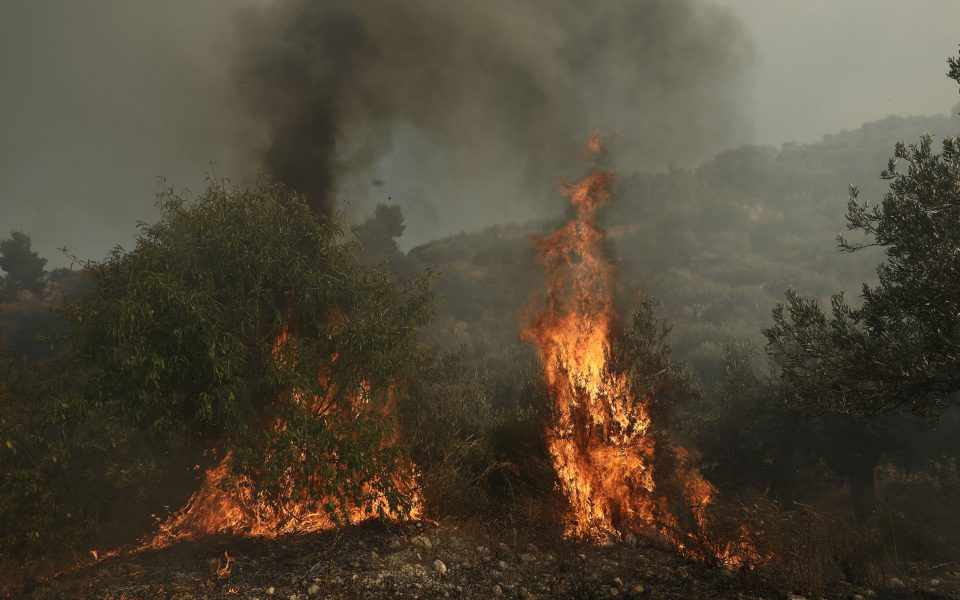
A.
pixel 466 113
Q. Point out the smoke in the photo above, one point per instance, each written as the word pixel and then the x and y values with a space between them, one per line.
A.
pixel 99 99
pixel 464 113
pixel 468 113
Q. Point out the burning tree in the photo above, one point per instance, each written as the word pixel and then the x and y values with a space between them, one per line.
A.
pixel 243 322
pixel 612 465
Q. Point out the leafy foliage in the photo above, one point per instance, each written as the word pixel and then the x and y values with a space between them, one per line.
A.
pixel 242 318
pixel 241 323
pixel 23 266
pixel 643 353
pixel 901 348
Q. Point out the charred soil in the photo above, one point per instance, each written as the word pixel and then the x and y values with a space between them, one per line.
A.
pixel 424 560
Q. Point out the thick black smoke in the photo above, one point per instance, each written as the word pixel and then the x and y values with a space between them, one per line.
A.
pixel 496 95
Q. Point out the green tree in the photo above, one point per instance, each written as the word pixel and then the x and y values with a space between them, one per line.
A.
pixel 900 350
pixel 243 321
pixel 23 266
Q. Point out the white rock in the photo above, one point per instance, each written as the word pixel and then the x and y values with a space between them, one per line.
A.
pixel 439 567
pixel 313 590
pixel 270 590
pixel 497 590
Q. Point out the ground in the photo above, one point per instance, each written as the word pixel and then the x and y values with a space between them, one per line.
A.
pixel 424 560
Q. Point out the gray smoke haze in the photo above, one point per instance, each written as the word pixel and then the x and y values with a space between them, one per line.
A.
pixel 464 113
pixel 100 98
pixel 468 113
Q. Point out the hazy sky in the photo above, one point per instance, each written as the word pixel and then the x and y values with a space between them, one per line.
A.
pixel 827 65
pixel 101 97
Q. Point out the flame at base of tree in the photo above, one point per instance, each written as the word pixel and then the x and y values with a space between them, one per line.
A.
pixel 601 439
pixel 226 504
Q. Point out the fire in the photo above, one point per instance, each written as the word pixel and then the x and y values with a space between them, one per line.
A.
pixel 600 437
pixel 229 505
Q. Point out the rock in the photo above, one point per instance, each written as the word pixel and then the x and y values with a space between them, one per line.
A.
pixel 422 541
pixel 374 557
pixel 630 539
pixel 504 550
pixel 934 582
pixel 270 590
pixel 497 590
pixel 496 574
pixel 503 565
pixel 896 582
pixel 638 589
pixel 532 549
pixel 439 567
pixel 795 597
pixel 395 545
pixel 618 582
pixel 313 590
pixel 528 558
pixel 858 597
pixel 614 591
pixel 524 593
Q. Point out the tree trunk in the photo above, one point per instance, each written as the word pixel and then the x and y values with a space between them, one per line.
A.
pixel 863 487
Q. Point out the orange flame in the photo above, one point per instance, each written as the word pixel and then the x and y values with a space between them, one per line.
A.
pixel 229 505
pixel 600 437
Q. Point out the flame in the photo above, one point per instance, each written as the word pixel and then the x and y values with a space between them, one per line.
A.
pixel 600 437
pixel 225 504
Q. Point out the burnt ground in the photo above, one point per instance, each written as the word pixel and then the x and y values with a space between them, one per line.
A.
pixel 423 560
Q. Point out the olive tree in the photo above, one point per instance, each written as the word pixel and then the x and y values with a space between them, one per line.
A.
pixel 898 351
pixel 243 321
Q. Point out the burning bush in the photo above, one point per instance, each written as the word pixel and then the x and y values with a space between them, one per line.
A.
pixel 242 323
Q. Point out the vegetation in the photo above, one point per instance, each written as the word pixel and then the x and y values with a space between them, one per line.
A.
pixel 23 267
pixel 194 340
pixel 245 326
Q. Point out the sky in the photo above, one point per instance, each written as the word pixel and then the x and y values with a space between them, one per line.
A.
pixel 822 66
pixel 100 98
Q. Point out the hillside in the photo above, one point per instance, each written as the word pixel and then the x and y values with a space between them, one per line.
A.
pixel 716 246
